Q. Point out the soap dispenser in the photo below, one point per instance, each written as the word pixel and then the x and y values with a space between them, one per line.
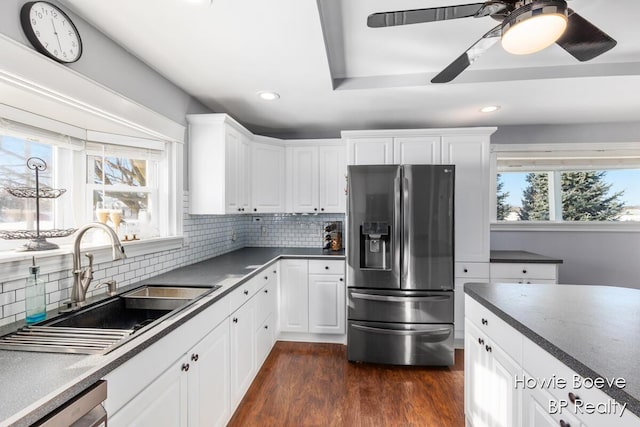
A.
pixel 35 296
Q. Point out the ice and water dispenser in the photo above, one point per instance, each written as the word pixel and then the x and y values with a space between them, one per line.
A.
pixel 375 246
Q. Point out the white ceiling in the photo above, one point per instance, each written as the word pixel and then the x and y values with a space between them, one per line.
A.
pixel 224 51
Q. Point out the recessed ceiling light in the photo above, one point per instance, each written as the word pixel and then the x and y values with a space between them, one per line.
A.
pixel 489 108
pixel 268 95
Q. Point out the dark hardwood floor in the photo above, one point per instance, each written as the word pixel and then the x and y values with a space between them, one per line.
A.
pixel 304 384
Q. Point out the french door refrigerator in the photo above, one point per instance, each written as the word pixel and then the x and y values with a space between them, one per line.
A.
pixel 400 264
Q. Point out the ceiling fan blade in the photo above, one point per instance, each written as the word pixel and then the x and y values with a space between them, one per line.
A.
pixel 454 69
pixel 584 40
pixel 416 16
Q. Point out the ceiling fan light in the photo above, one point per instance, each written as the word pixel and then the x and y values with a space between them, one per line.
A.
pixel 534 27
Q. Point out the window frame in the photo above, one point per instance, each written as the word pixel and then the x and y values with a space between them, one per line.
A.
pixel 608 152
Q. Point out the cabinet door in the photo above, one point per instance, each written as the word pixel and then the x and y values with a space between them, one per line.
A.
pixel 162 403
pixel 417 150
pixel 266 300
pixel 242 350
pixel 244 175
pixel 209 379
pixel 233 171
pixel 537 410
pixel 326 304
pixel 303 180
pixel 267 178
pixel 477 399
pixel 294 296
pixel 470 155
pixel 370 151
pixel 505 397
pixel 265 337
pixel 333 181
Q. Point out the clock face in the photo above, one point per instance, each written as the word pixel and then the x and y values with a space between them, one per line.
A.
pixel 51 31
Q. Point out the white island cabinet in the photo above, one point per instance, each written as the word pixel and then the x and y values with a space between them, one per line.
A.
pixel 497 362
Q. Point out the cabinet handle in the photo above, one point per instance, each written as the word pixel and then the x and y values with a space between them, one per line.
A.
pixel 246 292
pixel 185 367
pixel 573 398
pixel 239 210
pixel 485 321
pixel 524 271
pixel 255 210
pixel 266 277
pixel 266 291
pixel 315 209
pixel 266 326
pixel 341 279
pixel 322 209
pixel 488 348
pixel 326 267
pixel 235 320
pixel 480 341
pixel 242 209
pixel 274 272
pixel 564 424
pixel 194 357
pixel 466 270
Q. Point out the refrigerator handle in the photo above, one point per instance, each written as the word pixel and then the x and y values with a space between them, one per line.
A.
pixel 397 223
pixel 407 213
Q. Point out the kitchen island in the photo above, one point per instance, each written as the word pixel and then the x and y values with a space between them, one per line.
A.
pixel 34 384
pixel 562 332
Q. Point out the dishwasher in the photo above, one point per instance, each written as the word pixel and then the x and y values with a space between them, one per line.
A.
pixel 84 410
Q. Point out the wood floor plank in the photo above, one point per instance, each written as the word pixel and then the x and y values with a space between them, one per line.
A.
pixel 303 384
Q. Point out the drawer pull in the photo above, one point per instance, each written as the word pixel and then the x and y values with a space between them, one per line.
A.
pixel 488 348
pixel 235 320
pixel 195 357
pixel 563 423
pixel 573 398
pixel 480 341
pixel 326 267
pixel 485 321
pixel 524 271
pixel 185 367
pixel 466 270
pixel 266 291
pixel 246 292
pixel 274 271
pixel 266 277
pixel 266 326
pixel 341 279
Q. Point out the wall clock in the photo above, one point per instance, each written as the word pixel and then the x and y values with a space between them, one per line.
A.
pixel 51 31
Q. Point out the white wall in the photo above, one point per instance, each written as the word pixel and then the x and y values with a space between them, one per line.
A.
pixel 592 258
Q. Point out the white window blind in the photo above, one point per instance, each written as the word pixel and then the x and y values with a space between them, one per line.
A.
pixel 35 134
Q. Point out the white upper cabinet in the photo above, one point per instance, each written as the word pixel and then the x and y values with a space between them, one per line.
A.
pixel 303 179
pixel 470 155
pixel 316 178
pixel 416 150
pixel 267 178
pixel 218 165
pixel 370 151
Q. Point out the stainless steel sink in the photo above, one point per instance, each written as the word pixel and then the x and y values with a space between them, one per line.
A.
pixel 103 326
pixel 155 297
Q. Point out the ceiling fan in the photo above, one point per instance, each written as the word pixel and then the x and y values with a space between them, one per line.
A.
pixel 526 26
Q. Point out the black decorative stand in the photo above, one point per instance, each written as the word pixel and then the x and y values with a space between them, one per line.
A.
pixel 38 238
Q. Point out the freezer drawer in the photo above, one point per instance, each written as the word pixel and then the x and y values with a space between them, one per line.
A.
pixel 401 306
pixel 400 343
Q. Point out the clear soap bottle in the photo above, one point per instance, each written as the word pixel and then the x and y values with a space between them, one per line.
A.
pixel 35 296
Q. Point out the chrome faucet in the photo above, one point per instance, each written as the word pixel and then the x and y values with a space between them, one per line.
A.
pixel 82 277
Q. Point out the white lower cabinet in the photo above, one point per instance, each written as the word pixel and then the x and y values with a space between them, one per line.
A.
pixel 243 349
pixel 312 297
pixel 194 391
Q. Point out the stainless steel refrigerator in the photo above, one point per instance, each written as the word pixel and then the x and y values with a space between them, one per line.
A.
pixel 400 264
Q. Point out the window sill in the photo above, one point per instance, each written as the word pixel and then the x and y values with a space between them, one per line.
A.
pixel 606 227
pixel 14 265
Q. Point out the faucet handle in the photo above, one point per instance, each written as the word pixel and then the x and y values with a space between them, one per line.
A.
pixel 90 257
pixel 111 287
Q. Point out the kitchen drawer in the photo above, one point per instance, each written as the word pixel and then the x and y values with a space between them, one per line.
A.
pixel 520 281
pixel 472 269
pixel 495 328
pixel 320 266
pixel 266 302
pixel 537 271
pixel 243 293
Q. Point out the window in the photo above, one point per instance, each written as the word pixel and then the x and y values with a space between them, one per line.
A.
pixel 112 183
pixel 568 185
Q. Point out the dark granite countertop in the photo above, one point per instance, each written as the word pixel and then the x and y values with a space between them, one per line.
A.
pixel 594 330
pixel 34 384
pixel 521 257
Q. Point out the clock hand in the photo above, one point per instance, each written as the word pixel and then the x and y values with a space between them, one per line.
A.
pixel 56 33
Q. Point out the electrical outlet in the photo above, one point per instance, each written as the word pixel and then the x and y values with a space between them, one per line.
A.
pixel 264 230
pixel 234 236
